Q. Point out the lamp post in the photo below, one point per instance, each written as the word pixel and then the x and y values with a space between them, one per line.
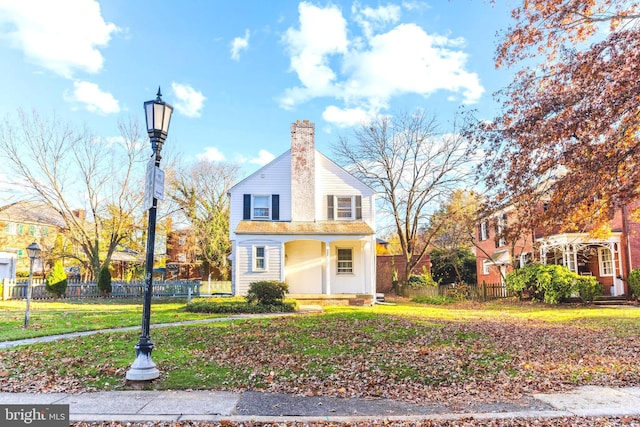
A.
pixel 33 250
pixel 158 116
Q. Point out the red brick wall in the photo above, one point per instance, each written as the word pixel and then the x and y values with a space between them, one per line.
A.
pixel 487 248
pixel 384 270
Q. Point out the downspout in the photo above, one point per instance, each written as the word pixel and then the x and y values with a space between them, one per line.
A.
pixel 625 233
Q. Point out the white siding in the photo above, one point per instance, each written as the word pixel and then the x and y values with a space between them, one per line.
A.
pixel 246 275
pixel 274 178
pixel 305 268
pixel 331 179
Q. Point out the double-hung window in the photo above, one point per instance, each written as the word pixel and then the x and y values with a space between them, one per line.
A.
pixel 345 261
pixel 345 207
pixel 11 228
pixel 501 225
pixel 484 230
pixel 606 261
pixel 261 205
pixel 485 267
pixel 259 258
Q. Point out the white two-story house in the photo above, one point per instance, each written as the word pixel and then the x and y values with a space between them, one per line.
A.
pixel 304 220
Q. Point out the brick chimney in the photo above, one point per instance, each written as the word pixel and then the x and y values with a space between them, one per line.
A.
pixel 303 171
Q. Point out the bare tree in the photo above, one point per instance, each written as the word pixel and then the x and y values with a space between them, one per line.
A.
pixel 92 183
pixel 414 169
pixel 200 191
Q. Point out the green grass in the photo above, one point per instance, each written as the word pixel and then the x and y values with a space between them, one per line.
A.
pixel 59 317
pixel 406 346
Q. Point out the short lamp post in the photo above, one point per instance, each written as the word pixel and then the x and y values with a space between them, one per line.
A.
pixel 158 115
pixel 33 250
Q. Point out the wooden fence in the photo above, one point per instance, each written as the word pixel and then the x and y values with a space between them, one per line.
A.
pixel 475 292
pixel 77 289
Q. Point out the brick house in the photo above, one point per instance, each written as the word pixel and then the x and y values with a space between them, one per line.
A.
pixel 182 258
pixel 610 260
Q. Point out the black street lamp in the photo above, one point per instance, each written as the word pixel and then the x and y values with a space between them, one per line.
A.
pixel 33 250
pixel 158 115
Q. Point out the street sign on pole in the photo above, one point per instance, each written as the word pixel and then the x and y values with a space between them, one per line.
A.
pixel 154 184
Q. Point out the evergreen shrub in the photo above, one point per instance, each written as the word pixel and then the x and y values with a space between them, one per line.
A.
pixel 207 305
pixel 634 282
pixel 267 292
pixel 104 281
pixel 56 280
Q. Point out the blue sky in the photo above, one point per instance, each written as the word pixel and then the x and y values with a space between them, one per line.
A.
pixel 240 72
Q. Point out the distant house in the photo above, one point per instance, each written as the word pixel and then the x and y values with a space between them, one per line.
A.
pixel 608 260
pixel 304 220
pixel 182 257
pixel 22 223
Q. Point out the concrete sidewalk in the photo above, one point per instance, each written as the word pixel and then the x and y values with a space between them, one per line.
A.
pixel 142 406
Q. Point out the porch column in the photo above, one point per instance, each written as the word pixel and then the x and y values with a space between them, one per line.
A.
pixel 327 268
pixel 366 268
pixel 282 266
pixel 543 254
pixel 617 283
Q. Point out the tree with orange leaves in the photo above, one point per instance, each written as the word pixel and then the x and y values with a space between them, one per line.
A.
pixel 569 131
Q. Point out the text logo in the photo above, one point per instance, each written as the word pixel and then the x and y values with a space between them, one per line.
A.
pixel 34 415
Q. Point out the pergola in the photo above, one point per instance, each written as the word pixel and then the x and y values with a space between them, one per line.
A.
pixel 567 248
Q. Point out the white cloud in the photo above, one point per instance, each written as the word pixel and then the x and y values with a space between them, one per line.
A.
pixel 345 117
pixel 365 72
pixel 371 19
pixel 53 37
pixel 189 101
pixel 238 44
pixel 263 158
pixel 323 32
pixel 211 154
pixel 408 60
pixel 93 98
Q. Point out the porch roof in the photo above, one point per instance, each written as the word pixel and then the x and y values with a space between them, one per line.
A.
pixel 348 228
pixel 577 239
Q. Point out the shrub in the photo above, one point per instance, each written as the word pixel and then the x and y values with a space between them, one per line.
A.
pixel 266 292
pixel 634 282
pixel 588 288
pixel 56 281
pixel 439 300
pixel 421 280
pixel 417 281
pixel 218 306
pixel 458 291
pixel 104 281
pixel 548 283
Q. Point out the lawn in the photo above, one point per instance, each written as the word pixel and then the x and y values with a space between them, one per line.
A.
pixel 59 317
pixel 459 354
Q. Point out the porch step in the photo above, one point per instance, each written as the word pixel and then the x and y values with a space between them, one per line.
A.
pixel 609 300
